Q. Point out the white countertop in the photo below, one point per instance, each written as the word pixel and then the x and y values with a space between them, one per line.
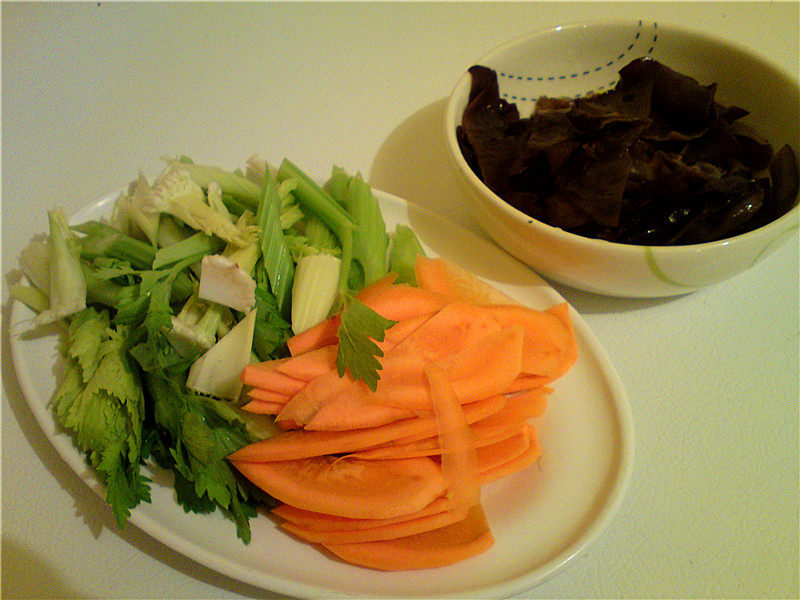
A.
pixel 93 92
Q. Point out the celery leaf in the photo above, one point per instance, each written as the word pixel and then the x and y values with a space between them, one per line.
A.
pixel 358 353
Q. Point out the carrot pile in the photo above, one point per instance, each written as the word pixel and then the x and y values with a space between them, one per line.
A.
pixel 390 479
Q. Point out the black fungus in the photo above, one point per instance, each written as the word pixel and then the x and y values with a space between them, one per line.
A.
pixel 657 160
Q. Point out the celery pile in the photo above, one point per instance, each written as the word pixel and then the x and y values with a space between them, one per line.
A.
pixel 192 277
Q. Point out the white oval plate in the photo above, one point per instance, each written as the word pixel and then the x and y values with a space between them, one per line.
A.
pixel 541 518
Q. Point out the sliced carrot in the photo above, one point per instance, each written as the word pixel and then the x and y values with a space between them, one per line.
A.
pixel 436 548
pixel 324 522
pixel 494 455
pixel 346 412
pixel 486 368
pixel 310 365
pixel 322 334
pixel 561 312
pixel 296 444
pixel 524 405
pixel 377 286
pixel 459 458
pixel 403 301
pixel 268 395
pixel 263 375
pixel 392 531
pixel 349 487
pixel 527 382
pixel 263 407
pixel 446 278
pixel 516 464
pixel 548 341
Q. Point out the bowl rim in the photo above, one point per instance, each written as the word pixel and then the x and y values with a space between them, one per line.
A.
pixel 788 221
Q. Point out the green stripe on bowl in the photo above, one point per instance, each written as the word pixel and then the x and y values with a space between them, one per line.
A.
pixel 656 270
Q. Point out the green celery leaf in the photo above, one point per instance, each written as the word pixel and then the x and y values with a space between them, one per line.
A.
pixel 271 330
pixel 358 352
pixel 103 408
pixel 200 438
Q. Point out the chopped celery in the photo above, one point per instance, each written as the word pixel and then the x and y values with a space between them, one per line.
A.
pixel 317 201
pixel 135 210
pixel 319 236
pixel 403 252
pixel 315 290
pixel 245 256
pixel 34 260
pixel 275 254
pixel 31 297
pixel 196 245
pixel 195 326
pixel 224 282
pixel 370 241
pixel 241 188
pixel 217 372
pixel 177 194
pixel 102 290
pixel 67 293
pixel 170 232
pixel 102 240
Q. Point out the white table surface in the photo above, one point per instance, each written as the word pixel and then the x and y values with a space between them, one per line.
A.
pixel 93 92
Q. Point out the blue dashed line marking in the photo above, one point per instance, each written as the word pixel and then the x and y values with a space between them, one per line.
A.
pixel 577 74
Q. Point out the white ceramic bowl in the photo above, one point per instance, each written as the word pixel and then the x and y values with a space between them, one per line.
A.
pixel 583 58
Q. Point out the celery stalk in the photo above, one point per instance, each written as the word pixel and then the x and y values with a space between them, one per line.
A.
pixel 315 290
pixel 403 253
pixel 106 241
pixel 241 188
pixel 275 253
pixel 315 200
pixel 198 245
pixel 370 241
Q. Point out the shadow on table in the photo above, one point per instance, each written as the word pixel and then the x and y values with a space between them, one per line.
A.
pixel 413 163
pixel 88 505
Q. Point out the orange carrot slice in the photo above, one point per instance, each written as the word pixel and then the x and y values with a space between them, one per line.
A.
pixel 548 341
pixel 310 365
pixel 399 529
pixel 322 334
pixel 346 412
pixel 324 522
pixel 459 458
pixel 265 375
pixel 527 382
pixel 516 464
pixel 349 487
pixel 263 407
pixel 296 444
pixel 446 278
pixel 435 548
pixel 494 455
pixel 268 395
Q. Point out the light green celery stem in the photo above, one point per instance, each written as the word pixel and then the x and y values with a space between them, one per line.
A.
pixel 337 184
pixel 104 291
pixel 275 253
pixel 402 255
pixel 170 232
pixel 242 189
pixel 314 200
pixel 370 241
pixel 106 241
pixel 319 236
pixel 196 245
pixel 31 297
